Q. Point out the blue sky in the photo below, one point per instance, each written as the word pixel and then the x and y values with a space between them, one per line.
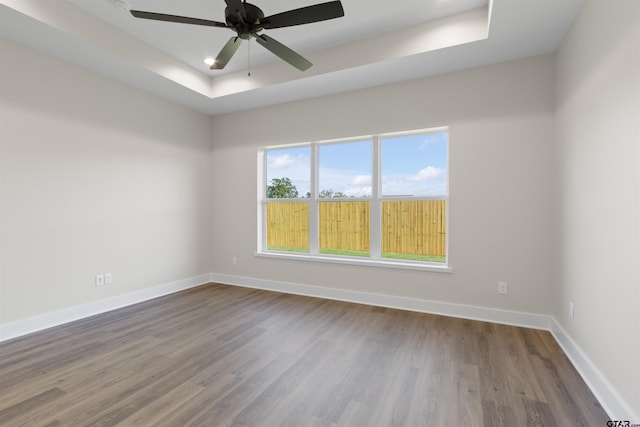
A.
pixel 346 168
pixel 411 165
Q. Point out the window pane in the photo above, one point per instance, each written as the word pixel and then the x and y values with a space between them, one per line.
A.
pixel 344 228
pixel 288 173
pixel 288 226
pixel 344 170
pixel 414 165
pixel 414 230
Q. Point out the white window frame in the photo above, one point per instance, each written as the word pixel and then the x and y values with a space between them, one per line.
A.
pixel 375 238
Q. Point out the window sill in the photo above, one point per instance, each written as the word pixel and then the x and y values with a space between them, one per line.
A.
pixel 399 264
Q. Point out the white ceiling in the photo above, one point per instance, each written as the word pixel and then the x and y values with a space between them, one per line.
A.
pixel 376 42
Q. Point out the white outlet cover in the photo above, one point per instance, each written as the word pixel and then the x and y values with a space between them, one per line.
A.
pixel 571 310
pixel 503 288
pixel 108 278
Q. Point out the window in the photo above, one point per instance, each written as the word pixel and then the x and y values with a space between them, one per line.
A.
pixel 344 198
pixel 380 199
pixel 287 217
pixel 414 190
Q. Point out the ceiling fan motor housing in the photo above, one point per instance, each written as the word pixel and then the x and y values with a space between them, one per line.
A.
pixel 247 20
pixel 244 26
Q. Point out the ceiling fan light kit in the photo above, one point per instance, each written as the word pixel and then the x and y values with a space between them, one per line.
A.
pixel 121 5
pixel 248 20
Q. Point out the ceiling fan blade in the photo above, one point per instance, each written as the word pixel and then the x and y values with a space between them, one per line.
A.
pixel 283 52
pixel 237 5
pixel 226 53
pixel 173 18
pixel 304 15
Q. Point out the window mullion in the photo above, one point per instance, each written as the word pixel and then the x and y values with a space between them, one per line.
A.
pixel 262 204
pixel 375 240
pixel 313 202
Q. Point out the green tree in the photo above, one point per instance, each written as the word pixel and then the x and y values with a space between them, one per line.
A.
pixel 281 188
pixel 330 194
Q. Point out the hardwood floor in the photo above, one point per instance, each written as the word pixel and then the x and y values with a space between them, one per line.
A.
pixel 227 356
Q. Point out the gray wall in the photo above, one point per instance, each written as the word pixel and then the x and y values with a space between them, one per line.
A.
pixel 95 177
pixel 598 153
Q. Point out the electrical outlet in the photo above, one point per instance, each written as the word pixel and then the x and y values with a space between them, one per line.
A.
pixel 99 280
pixel 108 278
pixel 571 310
pixel 234 261
pixel 503 288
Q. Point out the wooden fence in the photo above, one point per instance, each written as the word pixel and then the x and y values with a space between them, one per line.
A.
pixel 414 227
pixel 408 227
pixel 344 226
pixel 288 225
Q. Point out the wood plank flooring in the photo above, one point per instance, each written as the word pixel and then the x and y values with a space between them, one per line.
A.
pixel 226 356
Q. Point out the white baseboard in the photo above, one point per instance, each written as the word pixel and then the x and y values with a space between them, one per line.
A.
pixel 528 320
pixel 615 406
pixel 48 320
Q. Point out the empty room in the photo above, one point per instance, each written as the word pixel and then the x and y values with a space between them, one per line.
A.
pixel 319 213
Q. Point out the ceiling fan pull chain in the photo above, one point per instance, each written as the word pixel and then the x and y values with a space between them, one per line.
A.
pixel 249 57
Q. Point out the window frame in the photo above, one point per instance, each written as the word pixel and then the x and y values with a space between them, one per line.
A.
pixel 376 199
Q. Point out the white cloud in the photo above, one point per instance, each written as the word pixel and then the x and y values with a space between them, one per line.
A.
pixel 361 180
pixel 363 191
pixel 427 182
pixel 281 162
pixel 427 174
pixel 347 182
pixel 430 139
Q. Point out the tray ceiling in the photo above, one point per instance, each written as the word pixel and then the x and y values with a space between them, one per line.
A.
pixel 376 42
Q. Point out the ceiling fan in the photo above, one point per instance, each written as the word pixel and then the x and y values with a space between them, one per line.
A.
pixel 248 20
